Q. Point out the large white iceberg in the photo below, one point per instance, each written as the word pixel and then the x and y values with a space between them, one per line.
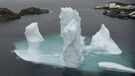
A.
pixel 69 54
pixel 102 43
pixel 115 67
pixel 33 37
pixel 71 33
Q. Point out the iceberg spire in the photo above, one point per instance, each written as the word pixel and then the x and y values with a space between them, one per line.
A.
pixel 71 33
pixel 33 37
pixel 102 43
pixel 66 15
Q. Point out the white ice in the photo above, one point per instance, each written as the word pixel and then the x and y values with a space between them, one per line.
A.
pixel 71 33
pixel 33 53
pixel 33 37
pixel 102 43
pixel 115 67
pixel 72 53
pixel 66 15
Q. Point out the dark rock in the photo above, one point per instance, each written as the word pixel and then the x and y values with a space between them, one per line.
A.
pixel 118 10
pixel 116 5
pixel 32 11
pixel 117 13
pixel 6 14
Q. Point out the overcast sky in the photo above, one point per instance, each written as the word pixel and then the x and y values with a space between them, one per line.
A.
pixel 35 0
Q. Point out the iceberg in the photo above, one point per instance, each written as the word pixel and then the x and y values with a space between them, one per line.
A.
pixel 33 37
pixel 66 15
pixel 102 43
pixel 71 33
pixel 68 49
pixel 115 67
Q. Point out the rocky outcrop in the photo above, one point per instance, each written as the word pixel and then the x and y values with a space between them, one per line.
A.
pixel 32 11
pixel 118 10
pixel 6 14
pixel 116 5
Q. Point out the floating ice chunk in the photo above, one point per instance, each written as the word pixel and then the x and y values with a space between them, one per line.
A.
pixel 33 37
pixel 71 33
pixel 115 67
pixel 102 43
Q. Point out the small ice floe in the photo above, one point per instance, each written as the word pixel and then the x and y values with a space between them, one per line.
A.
pixel 111 66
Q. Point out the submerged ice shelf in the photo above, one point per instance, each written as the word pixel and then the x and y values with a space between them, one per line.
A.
pixel 67 49
pixel 52 56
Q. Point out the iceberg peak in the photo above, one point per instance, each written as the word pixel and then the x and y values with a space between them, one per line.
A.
pixel 66 15
pixel 102 43
pixel 33 37
pixel 32 33
pixel 104 32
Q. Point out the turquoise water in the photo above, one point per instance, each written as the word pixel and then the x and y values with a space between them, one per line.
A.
pixel 53 44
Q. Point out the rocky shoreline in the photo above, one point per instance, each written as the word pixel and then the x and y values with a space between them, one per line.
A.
pixel 118 10
pixel 7 14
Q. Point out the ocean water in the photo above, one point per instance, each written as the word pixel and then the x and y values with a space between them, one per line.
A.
pixel 11 32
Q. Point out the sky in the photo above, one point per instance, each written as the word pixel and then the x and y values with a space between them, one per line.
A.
pixel 34 0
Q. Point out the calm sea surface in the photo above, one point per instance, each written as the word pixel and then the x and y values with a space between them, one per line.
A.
pixel 122 31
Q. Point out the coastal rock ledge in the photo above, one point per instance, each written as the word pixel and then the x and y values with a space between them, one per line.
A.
pixel 7 14
pixel 118 10
pixel 33 11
